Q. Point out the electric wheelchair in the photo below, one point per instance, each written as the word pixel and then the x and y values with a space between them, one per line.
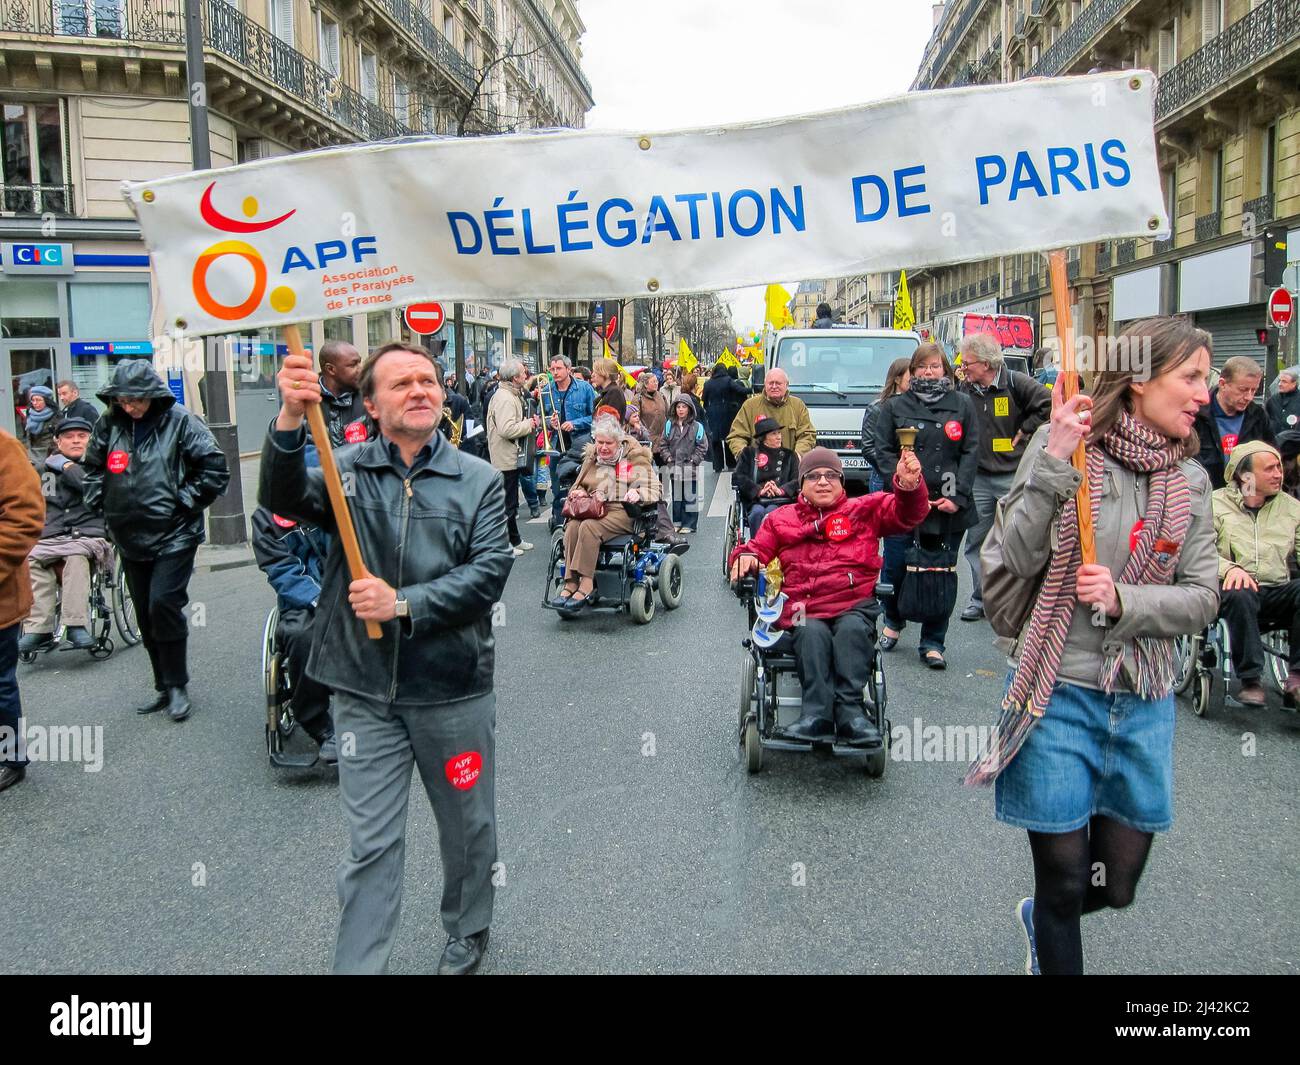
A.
pixel 771 696
pixel 110 604
pixel 629 569
pixel 1199 658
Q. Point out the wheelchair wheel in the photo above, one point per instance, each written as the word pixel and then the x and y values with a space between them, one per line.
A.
pixel 670 582
pixel 753 748
pixel 1184 663
pixel 748 678
pixel 641 603
pixel 877 760
pixel 124 608
pixel 1277 653
pixel 1201 692
pixel 280 721
pixel 554 579
pixel 731 538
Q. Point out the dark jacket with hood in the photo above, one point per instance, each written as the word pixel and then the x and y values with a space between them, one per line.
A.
pixel 292 555
pixel 1283 409
pixel 1214 449
pixel 66 512
pixel 152 478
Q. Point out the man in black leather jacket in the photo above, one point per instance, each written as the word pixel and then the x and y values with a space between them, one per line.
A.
pixel 151 469
pixel 432 528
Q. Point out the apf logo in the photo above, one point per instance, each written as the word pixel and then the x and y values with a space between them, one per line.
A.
pixel 282 297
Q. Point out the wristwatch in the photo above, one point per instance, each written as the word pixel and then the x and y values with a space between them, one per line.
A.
pixel 402 608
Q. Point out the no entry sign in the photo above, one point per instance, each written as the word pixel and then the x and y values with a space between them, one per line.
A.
pixel 1281 308
pixel 424 318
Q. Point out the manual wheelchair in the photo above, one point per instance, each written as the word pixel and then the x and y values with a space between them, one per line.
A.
pixel 280 720
pixel 1200 657
pixel 110 604
pixel 771 696
pixel 629 569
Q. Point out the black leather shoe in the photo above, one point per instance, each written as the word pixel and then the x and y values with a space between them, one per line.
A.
pixel 80 639
pixel 887 643
pixel 972 613
pixel 329 749
pixel 462 956
pixel 11 775
pixel 856 730
pixel 178 704
pixel 810 727
pixel 934 659
pixel 35 641
pixel 560 602
pixel 160 703
pixel 534 512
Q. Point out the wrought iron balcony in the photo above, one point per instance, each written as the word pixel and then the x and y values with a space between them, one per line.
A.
pixel 37 199
pixel 1103 256
pixel 1159 247
pixel 490 16
pixel 471 6
pixel 1036 8
pixel 1126 251
pixel 1269 27
pixel 1259 209
pixel 1076 37
pixel 408 14
pixel 156 21
pixel 562 48
pixel 1015 286
pixel 1020 25
pixel 1209 226
pixel 953 31
pixel 1072 269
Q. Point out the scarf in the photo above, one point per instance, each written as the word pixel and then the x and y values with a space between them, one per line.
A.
pixel 930 389
pixel 36 419
pixel 1141 449
pixel 613 459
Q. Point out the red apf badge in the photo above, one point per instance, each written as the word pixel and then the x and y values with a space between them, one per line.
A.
pixel 837 528
pixel 953 430
pixel 118 461
pixel 464 770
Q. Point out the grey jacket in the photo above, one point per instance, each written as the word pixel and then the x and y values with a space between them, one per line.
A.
pixel 1188 603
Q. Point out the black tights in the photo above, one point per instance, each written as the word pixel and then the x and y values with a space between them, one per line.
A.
pixel 1076 873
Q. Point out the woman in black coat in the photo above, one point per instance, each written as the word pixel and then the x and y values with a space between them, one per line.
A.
pixel 723 395
pixel 947 443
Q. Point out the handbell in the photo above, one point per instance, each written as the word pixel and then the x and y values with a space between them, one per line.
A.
pixel 906 437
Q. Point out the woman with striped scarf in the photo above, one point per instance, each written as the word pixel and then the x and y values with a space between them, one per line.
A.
pixel 1083 753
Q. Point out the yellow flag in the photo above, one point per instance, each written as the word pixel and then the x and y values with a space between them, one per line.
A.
pixel 628 379
pixel 728 359
pixel 686 359
pixel 904 318
pixel 778 313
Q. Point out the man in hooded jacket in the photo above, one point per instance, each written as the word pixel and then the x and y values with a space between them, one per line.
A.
pixel 152 468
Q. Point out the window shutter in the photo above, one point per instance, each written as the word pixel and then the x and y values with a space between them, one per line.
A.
pixel 1209 20
pixel 1166 56
pixel 282 20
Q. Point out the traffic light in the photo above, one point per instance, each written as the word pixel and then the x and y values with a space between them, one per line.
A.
pixel 1267 336
pixel 1274 256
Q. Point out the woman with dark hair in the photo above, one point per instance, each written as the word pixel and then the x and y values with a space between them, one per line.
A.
pixel 896 381
pixel 947 443
pixel 1083 752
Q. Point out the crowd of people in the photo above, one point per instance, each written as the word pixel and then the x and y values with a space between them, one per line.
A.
pixel 1194 515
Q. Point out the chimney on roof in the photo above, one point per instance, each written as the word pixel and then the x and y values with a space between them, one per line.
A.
pixel 937 9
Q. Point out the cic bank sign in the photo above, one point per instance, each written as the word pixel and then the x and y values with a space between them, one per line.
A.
pixel 37 258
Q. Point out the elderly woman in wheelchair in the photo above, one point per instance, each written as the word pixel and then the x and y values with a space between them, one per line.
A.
pixel 829 548
pixel 616 470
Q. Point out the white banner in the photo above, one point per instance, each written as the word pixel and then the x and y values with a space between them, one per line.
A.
pixel 918 180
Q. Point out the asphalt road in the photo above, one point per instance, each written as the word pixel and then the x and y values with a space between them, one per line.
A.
pixel 188 853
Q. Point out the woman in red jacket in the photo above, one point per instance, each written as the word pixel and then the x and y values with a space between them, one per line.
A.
pixel 829 547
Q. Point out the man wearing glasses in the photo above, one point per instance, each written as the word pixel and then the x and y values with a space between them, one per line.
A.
pixel 829 547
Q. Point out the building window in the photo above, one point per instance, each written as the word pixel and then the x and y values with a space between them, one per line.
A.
pixel 109 311
pixel 379 329
pixel 1167 47
pixel 1211 20
pixel 30 309
pixel 401 100
pixel 338 329
pixel 34 174
pixel 369 76
pixel 470 50
pixel 449 27
pixel 329 44
pixel 89 18
pixel 281 16
pixel 1268 169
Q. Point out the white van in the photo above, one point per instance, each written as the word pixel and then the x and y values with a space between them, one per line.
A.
pixel 837 372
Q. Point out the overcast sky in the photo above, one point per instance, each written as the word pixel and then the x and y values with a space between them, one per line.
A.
pixel 680 63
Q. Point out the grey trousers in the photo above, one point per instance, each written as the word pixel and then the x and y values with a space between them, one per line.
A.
pixel 989 488
pixel 453 744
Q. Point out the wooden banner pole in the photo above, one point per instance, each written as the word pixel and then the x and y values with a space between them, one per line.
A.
pixel 1067 386
pixel 333 483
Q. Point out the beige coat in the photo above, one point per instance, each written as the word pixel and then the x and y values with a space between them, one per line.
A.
pixel 508 427
pixel 1187 601
pixel 634 470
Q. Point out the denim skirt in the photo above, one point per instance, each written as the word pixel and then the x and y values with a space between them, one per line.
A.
pixel 1093 754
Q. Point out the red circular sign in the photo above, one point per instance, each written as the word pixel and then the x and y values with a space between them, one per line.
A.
pixel 837 528
pixel 953 429
pixel 355 432
pixel 118 461
pixel 464 769
pixel 1281 307
pixel 424 318
pixel 762 460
